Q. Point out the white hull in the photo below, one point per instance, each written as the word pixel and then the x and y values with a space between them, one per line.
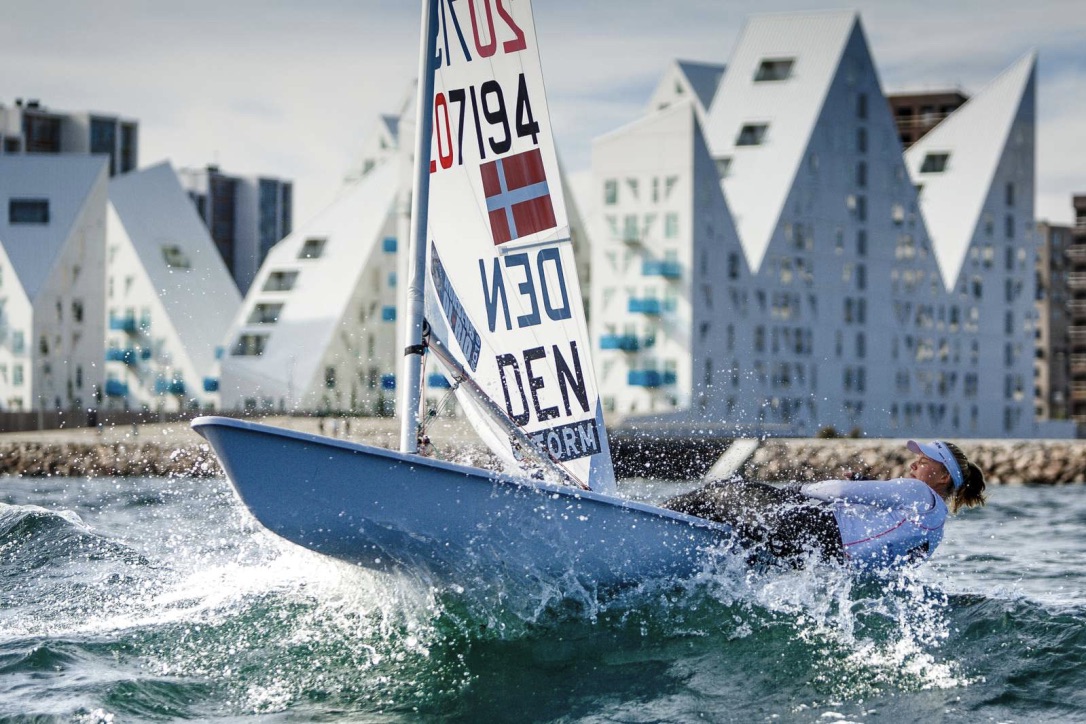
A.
pixel 390 511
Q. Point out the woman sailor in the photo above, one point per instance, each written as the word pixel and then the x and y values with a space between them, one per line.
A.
pixel 868 523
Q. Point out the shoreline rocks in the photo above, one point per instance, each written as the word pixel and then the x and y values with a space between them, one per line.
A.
pixel 776 460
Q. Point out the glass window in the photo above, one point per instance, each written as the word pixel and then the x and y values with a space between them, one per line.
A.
pixel 752 134
pixel 250 345
pixel 28 211
pixel 610 192
pixel 175 257
pixel 935 163
pixel 724 166
pixel 774 69
pixel 313 248
pixel 671 225
pixel 265 313
pixel 280 281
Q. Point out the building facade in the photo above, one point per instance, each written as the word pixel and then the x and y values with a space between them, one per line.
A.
pixel 772 263
pixel 1052 365
pixel 917 113
pixel 1076 283
pixel 169 297
pixel 31 128
pixel 246 215
pixel 52 279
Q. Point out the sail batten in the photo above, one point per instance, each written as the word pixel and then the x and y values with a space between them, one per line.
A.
pixel 503 296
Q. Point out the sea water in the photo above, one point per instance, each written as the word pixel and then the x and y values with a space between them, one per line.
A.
pixel 132 600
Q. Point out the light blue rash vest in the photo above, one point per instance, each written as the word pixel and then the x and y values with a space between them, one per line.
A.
pixel 883 522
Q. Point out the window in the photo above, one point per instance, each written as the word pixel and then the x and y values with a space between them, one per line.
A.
pixel 752 134
pixel 312 249
pixel 724 166
pixel 175 257
pixel 250 345
pixel 265 314
pixel 935 163
pixel 18 342
pixel 610 192
pixel 774 69
pixel 1008 226
pixel 330 377
pixel 861 140
pixel 17 375
pixel 1010 194
pixel 861 174
pixel 861 105
pixel 671 225
pixel 280 281
pixel 28 211
pixel 77 310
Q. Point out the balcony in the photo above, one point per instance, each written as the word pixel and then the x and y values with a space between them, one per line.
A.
pixel 116 388
pixel 211 384
pixel 624 342
pixel 649 378
pixel 123 324
pixel 1076 280
pixel 388 245
pixel 648 305
pixel 437 381
pixel 388 314
pixel 126 355
pixel 169 387
pixel 388 382
pixel 665 269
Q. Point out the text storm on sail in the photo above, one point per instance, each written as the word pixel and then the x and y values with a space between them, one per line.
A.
pixel 563 442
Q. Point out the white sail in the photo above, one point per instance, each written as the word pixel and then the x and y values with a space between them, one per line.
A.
pixel 502 289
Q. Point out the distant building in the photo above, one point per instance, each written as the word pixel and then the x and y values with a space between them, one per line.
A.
pixel 917 113
pixel 317 330
pixel 169 297
pixel 52 281
pixel 1077 325
pixel 30 128
pixel 772 263
pixel 246 215
pixel 1052 371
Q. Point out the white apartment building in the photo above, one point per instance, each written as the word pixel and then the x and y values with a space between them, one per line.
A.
pixel 52 280
pixel 762 261
pixel 169 297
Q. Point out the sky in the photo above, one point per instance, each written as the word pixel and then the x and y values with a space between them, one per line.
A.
pixel 292 88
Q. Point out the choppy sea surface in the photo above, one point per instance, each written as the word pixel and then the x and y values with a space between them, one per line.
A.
pixel 133 600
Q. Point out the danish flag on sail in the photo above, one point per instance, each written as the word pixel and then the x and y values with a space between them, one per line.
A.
pixel 518 200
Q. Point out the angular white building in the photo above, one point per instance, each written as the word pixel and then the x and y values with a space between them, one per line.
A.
pixel 763 263
pixel 52 281
pixel 317 330
pixel 169 297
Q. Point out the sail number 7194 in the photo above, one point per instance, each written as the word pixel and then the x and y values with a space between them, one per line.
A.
pixel 489 109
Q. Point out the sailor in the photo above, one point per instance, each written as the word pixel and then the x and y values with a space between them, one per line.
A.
pixel 865 523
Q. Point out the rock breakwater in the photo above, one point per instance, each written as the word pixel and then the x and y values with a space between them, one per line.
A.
pixel 776 460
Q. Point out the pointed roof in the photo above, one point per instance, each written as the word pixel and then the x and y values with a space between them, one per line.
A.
pixel 687 80
pixel 160 220
pixel 973 139
pixel 784 104
pixel 66 181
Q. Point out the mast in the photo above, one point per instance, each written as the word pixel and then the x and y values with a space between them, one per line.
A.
pixel 411 388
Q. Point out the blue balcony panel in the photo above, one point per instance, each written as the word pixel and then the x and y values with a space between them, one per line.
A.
pixel 643 378
pixel 666 269
pixel 388 382
pixel 644 306
pixel 126 355
pixel 164 386
pixel 116 388
pixel 437 381
pixel 388 245
pixel 211 384
pixel 388 314
pixel 624 342
pixel 123 324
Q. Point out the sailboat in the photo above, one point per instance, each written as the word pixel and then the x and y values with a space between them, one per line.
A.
pixel 493 298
